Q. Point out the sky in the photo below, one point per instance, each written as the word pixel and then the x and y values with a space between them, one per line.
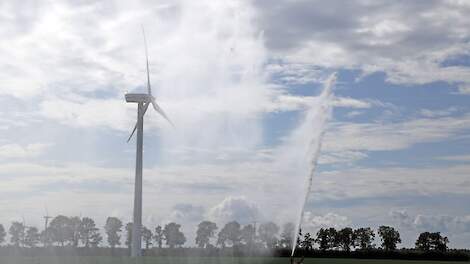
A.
pixel 239 79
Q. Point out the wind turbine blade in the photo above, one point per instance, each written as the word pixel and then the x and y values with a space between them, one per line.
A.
pixel 146 106
pixel 149 88
pixel 161 112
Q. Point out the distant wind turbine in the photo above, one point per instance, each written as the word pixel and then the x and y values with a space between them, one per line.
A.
pixel 143 101
pixel 46 221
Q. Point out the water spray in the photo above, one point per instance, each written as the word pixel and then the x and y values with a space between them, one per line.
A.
pixel 323 109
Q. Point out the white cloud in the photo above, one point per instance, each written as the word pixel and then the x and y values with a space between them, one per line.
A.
pixel 406 40
pixel 353 114
pixel 87 112
pixel 353 103
pixel 348 136
pixel 341 157
pixel 235 208
pixel 453 225
pixel 438 113
pixel 18 151
pixel 312 222
pixel 390 181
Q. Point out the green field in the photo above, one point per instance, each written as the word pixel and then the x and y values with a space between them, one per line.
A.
pixel 198 260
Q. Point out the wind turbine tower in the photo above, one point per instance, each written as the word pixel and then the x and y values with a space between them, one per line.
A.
pixel 46 235
pixel 143 100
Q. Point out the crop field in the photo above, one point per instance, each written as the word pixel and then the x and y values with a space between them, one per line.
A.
pixel 201 260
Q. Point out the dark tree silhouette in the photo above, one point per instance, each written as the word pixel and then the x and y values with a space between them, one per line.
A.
pixel 308 242
pixel 390 237
pixel 146 237
pixel 17 233
pixel 3 234
pixel 205 231
pixel 128 241
pixel 248 235
pixel 173 236
pixel 158 236
pixel 268 234
pixel 287 235
pixel 60 230
pixel 112 229
pixel 86 230
pixel 431 241
pixel 230 233
pixel 363 238
pixel 32 237
pixel 346 238
pixel 327 238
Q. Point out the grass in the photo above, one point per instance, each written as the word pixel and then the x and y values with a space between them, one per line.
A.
pixel 200 260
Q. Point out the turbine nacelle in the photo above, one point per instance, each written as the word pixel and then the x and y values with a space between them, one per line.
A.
pixel 139 98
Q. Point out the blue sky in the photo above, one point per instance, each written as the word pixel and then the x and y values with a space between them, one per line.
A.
pixel 237 78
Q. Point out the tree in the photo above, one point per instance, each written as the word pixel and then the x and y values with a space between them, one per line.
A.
pixel 287 235
pixel 158 236
pixel 248 235
pixel 3 234
pixel 32 237
pixel 86 230
pixel 17 233
pixel 431 241
pixel 75 223
pixel 439 242
pixel 327 238
pixel 205 231
pixel 147 237
pixel 95 238
pixel 113 228
pixel 60 230
pixel 390 237
pixel 307 242
pixel 128 235
pixel 230 233
pixel 173 236
pixel 268 234
pixel 346 238
pixel 363 238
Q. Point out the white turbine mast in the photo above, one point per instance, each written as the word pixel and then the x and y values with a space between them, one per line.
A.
pixel 143 101
pixel 46 221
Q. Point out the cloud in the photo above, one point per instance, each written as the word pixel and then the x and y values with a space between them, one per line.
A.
pixel 402 217
pixel 312 222
pixel 17 151
pixel 235 209
pixel 355 183
pixel 406 40
pixel 341 157
pixel 453 225
pixel 187 213
pixel 347 136
pixel 88 112
pixel 287 102
pixel 438 113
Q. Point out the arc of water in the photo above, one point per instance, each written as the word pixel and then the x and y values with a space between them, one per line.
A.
pixel 325 98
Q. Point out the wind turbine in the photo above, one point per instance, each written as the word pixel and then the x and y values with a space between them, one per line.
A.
pixel 143 101
pixel 46 221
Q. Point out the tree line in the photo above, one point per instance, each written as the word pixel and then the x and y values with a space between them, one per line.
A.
pixel 75 232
